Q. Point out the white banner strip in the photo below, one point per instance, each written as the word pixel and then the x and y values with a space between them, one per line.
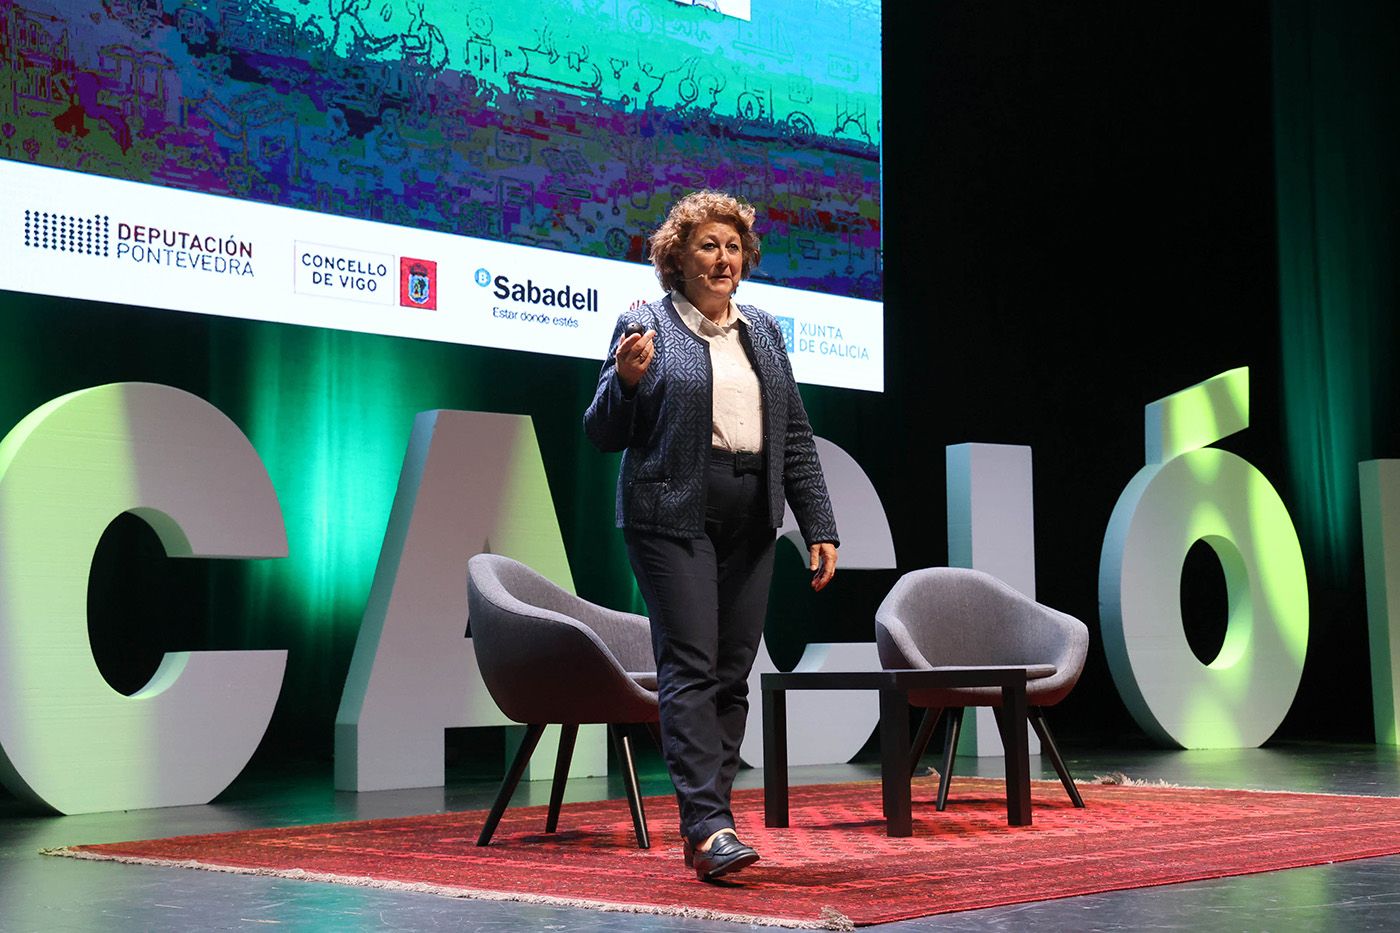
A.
pixel 82 236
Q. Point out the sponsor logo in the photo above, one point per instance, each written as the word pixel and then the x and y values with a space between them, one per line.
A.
pixel 553 304
pixel 91 235
pixel 786 326
pixel 827 340
pixel 184 249
pixel 418 283
pixel 566 298
pixel 338 272
pixel 68 233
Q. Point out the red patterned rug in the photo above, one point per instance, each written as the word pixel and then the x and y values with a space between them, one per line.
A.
pixel 834 868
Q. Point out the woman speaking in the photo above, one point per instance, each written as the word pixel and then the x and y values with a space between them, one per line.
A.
pixel 699 395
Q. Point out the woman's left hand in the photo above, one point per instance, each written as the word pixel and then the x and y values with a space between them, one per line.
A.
pixel 822 563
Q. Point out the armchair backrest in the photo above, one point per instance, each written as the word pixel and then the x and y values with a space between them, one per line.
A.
pixel 955 616
pixel 626 636
pixel 548 656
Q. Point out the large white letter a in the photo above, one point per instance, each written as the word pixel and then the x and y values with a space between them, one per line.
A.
pixel 471 482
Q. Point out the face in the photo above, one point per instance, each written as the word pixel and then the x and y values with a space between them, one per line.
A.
pixel 711 262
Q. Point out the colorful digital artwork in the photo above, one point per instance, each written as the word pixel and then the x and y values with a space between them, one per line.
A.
pixel 564 124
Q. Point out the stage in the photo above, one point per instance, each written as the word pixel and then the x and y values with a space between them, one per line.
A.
pixel 40 893
pixel 1108 315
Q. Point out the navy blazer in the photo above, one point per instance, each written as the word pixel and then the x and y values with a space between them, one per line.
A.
pixel 665 426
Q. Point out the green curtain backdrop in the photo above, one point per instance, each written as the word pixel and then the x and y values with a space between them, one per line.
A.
pixel 1337 137
pixel 1065 176
pixel 331 414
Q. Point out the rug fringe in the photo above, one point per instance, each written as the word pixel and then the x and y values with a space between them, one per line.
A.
pixel 830 919
pixel 1125 780
pixel 835 920
pixel 1119 778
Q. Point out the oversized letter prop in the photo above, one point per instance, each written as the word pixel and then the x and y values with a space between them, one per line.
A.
pixel 67 739
pixel 1189 492
pixel 991 527
pixel 472 482
pixel 828 726
pixel 1380 532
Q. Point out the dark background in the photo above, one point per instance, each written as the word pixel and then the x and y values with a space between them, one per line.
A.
pixel 1082 215
pixel 1080 219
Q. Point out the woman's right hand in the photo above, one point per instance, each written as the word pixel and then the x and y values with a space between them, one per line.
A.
pixel 633 356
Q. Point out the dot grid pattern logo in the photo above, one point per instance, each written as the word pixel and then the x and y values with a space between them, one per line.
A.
pixel 417 283
pixel 68 233
pixel 789 335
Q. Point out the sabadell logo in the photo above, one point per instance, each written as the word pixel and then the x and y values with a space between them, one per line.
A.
pixel 483 277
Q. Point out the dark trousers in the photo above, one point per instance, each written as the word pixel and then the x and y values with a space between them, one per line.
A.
pixel 707 598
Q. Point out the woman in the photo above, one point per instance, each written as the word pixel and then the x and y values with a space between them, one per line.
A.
pixel 714 438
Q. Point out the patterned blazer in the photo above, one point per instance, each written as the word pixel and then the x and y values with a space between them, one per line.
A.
pixel 664 429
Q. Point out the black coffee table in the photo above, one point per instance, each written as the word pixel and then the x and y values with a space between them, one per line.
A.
pixel 895 766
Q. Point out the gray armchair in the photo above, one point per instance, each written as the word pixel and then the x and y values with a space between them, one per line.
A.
pixel 946 616
pixel 548 656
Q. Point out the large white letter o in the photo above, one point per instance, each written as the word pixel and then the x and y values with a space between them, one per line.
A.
pixel 1195 493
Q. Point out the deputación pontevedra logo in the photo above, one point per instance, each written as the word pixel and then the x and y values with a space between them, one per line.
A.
pixel 68 233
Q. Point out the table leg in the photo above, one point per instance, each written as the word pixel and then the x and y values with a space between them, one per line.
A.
pixel 894 762
pixel 775 748
pixel 1018 760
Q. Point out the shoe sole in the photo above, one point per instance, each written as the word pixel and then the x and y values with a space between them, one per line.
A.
pixel 743 861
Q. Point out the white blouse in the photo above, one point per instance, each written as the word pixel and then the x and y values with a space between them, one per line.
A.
pixel 736 402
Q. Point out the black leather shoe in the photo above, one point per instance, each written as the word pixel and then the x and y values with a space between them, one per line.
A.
pixel 725 855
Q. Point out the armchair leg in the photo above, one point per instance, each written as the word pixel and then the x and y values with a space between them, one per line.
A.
pixel 629 777
pixel 1036 715
pixel 568 732
pixel 926 727
pixel 533 731
pixel 950 751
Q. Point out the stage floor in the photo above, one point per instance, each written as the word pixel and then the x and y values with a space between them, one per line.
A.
pixel 39 893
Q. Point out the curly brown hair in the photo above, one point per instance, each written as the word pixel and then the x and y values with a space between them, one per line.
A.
pixel 691 211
